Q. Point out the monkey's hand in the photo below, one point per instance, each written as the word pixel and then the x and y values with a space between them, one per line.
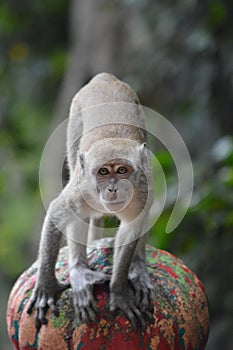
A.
pixel 82 281
pixel 44 296
pixel 123 297
pixel 143 289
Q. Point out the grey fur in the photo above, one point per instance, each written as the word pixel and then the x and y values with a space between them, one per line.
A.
pixel 106 126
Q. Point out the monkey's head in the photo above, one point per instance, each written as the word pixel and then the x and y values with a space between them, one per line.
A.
pixel 113 168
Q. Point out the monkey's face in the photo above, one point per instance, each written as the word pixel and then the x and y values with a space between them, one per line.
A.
pixel 110 174
pixel 115 184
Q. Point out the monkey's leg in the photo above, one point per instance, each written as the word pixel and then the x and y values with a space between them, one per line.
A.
pixel 121 293
pixel 47 287
pixel 82 278
pixel 140 280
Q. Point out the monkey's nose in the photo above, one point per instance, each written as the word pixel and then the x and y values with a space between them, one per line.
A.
pixel 112 190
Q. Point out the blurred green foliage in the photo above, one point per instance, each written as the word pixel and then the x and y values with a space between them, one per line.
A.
pixel 31 67
pixel 204 239
pixel 211 209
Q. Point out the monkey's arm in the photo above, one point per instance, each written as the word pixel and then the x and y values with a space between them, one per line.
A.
pixel 47 287
pixel 140 280
pixel 130 284
pixel 121 293
pixel 82 278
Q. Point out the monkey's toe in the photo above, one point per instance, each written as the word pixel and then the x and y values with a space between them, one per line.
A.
pixel 84 303
pixel 143 289
pixel 129 307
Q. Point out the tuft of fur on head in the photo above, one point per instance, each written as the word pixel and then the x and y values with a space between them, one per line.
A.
pixel 109 149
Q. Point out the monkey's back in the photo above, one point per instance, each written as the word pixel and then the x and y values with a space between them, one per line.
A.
pixel 104 108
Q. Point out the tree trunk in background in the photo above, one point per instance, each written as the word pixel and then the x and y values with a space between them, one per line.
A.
pixel 167 53
pixel 97 38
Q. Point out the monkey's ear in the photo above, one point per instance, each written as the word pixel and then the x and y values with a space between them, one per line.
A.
pixel 144 156
pixel 81 157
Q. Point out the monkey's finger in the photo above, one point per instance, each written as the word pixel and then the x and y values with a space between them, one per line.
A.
pixel 145 299
pixel 108 270
pixel 39 318
pixel 83 314
pixel 151 296
pixel 42 302
pixel 88 299
pixel 78 315
pixel 85 307
pixel 32 302
pixel 147 304
pixel 53 306
pixel 87 314
pixel 30 306
pixel 131 316
pixel 99 278
pixel 38 324
pixel 127 311
pixel 90 314
pixel 41 308
pixel 149 317
pixel 138 296
pixel 90 305
pixel 139 317
pixel 93 304
pixel 63 286
pixel 82 298
pixel 42 313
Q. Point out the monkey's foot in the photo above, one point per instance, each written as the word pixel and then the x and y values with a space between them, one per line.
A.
pixel 44 296
pixel 82 281
pixel 124 299
pixel 143 289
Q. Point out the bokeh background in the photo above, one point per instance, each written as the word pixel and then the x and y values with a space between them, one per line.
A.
pixel 178 56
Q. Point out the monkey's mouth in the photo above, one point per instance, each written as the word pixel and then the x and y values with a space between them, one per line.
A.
pixel 114 202
pixel 114 205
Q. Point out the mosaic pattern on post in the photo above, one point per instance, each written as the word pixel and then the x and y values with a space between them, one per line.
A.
pixel 181 315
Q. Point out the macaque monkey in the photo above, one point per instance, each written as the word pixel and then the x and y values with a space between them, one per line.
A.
pixel 110 174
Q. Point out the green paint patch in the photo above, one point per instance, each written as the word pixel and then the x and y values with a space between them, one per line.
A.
pixel 60 321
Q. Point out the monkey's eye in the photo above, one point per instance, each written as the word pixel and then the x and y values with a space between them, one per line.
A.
pixel 103 171
pixel 122 170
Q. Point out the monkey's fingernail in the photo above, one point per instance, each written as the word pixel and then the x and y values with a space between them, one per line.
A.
pixel 44 320
pixel 38 325
pixel 29 310
pixel 56 312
